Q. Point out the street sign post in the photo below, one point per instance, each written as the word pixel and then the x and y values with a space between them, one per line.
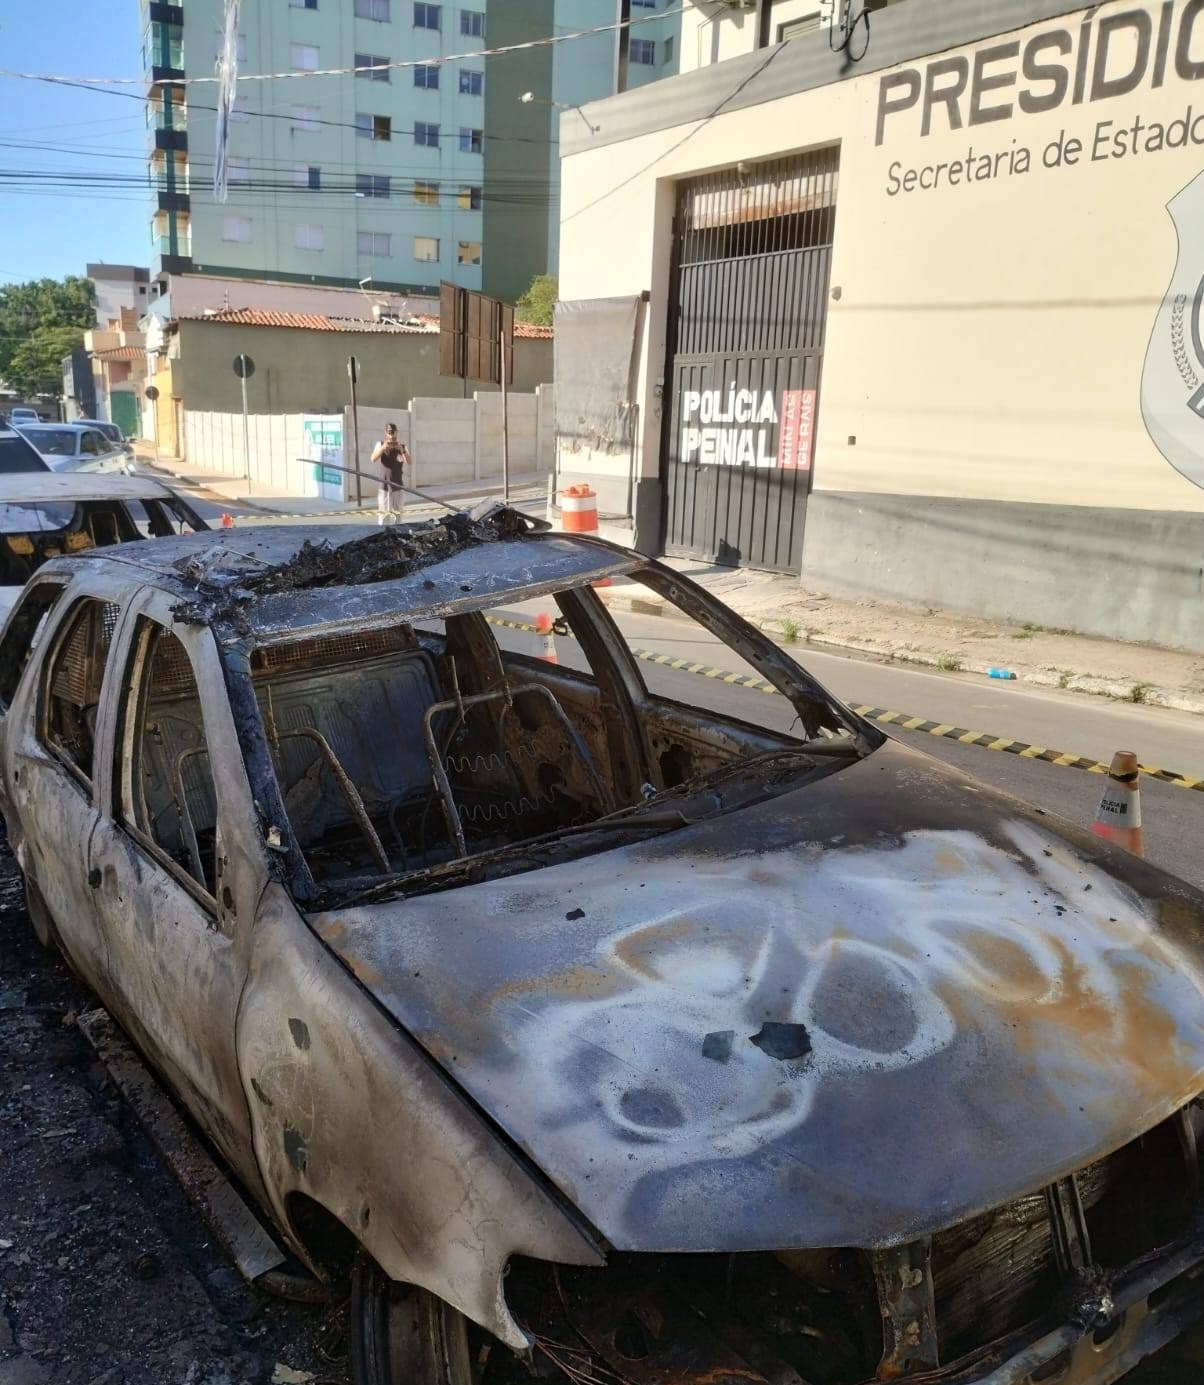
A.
pixel 244 368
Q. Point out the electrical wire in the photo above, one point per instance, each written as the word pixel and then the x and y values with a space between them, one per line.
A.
pixel 292 74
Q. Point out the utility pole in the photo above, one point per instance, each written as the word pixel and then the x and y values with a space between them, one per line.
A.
pixel 353 373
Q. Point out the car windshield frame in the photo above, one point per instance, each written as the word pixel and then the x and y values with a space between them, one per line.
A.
pixel 854 737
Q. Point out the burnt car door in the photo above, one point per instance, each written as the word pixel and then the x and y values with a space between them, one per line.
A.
pixel 176 873
pixel 54 743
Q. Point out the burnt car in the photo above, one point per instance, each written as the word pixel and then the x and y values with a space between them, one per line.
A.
pixel 598 1034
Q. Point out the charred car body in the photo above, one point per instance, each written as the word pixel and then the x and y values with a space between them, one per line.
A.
pixel 649 1044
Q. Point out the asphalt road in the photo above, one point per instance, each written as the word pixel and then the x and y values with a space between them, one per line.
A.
pixel 1077 723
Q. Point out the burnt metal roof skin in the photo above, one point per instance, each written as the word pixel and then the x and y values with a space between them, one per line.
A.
pixel 976 1000
pixel 275 582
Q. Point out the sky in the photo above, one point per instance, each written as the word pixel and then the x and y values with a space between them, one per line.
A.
pixel 57 231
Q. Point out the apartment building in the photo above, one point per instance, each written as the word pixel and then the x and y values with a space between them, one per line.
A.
pixel 394 178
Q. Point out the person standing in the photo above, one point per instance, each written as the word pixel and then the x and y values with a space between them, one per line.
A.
pixel 392 456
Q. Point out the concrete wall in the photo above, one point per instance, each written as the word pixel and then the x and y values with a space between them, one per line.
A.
pixel 460 440
pixel 1002 326
pixel 299 371
pixel 452 441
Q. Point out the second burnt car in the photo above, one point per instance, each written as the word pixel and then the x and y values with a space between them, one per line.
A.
pixel 603 1035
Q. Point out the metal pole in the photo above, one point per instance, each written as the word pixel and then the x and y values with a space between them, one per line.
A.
pixel 355 432
pixel 246 434
pixel 505 412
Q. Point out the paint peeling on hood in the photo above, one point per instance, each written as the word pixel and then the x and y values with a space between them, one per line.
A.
pixel 847 1016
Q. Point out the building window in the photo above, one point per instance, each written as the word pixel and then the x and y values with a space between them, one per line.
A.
pixel 426 76
pixel 426 249
pixel 304 4
pixel 372 9
pixel 219 45
pixel 373 126
pixel 642 52
pixel 472 23
pixel 309 237
pixel 426 194
pixel 471 83
pixel 307 176
pixel 469 199
pixel 643 4
pixel 380 65
pixel 469 252
pixel 374 243
pixel 668 58
pixel 372 185
pixel 426 134
pixel 427 16
pixel 238 170
pixel 305 118
pixel 236 229
pixel 303 57
pixel 792 28
pixel 471 141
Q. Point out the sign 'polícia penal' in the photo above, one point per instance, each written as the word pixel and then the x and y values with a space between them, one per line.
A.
pixel 737 427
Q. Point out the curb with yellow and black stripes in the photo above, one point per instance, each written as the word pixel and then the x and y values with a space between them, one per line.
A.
pixel 903 720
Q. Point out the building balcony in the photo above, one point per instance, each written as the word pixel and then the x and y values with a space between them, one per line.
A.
pixel 164 262
pixel 171 200
pixel 166 14
pixel 158 74
pixel 170 139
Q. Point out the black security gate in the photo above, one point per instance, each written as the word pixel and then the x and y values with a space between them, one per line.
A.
pixel 752 247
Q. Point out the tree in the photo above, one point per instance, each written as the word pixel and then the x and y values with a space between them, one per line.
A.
pixel 36 366
pixel 38 306
pixel 535 306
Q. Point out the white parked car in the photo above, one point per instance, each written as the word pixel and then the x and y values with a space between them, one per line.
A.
pixel 112 431
pixel 75 446
pixel 44 516
pixel 23 415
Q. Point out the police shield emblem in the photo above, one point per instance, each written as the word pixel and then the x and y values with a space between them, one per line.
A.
pixel 1172 386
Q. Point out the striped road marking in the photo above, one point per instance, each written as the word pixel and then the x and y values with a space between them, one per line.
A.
pixel 903 720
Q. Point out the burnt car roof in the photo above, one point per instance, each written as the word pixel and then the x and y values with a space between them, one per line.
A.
pixel 276 581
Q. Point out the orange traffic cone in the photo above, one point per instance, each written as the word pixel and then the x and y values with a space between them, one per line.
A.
pixel 1118 817
pixel 546 630
pixel 227 520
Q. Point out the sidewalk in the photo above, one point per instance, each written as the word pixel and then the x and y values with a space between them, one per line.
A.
pixel 937 639
pixel 241 494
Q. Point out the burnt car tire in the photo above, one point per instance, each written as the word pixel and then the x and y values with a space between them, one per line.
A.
pixel 403 1335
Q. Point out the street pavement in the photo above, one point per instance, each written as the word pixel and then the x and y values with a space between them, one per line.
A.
pixel 1077 723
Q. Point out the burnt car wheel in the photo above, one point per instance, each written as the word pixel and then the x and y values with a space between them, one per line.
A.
pixel 403 1335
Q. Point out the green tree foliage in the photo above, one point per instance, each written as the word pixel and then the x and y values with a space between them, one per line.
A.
pixel 36 366
pixel 536 304
pixel 37 320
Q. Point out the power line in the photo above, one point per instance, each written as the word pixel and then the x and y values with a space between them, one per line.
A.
pixel 544 42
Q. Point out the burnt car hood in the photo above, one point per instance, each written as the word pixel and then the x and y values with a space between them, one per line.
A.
pixel 850 1015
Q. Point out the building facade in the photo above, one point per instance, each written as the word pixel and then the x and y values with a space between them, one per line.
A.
pixel 118 287
pixel 395 178
pixel 925 320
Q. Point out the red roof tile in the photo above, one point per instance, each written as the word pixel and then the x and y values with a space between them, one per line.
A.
pixel 120 353
pixel 320 322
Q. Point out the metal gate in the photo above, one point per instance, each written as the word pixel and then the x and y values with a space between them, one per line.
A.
pixel 752 246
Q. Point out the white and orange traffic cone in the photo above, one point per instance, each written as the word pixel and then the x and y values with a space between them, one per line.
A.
pixel 545 628
pixel 579 515
pixel 1118 817
pixel 227 520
